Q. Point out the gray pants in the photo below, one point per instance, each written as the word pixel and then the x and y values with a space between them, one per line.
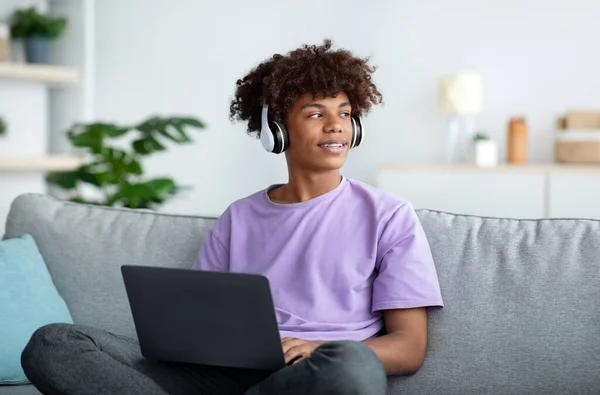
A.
pixel 73 359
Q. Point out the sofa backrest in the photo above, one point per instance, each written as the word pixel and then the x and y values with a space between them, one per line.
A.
pixel 521 296
pixel 84 247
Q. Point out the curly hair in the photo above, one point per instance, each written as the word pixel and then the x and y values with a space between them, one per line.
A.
pixel 309 69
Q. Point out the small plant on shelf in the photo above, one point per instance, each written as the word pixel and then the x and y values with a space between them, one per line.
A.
pixel 117 174
pixel 29 22
pixel 480 136
pixel 38 30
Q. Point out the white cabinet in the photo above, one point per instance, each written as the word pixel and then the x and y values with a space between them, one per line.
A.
pixel 503 191
pixel 575 195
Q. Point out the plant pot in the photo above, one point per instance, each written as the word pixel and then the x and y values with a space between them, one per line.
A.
pixel 37 49
pixel 485 153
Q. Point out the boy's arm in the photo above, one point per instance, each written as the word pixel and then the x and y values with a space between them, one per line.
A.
pixel 405 286
pixel 402 349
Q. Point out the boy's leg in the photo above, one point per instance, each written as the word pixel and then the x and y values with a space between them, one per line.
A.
pixel 72 359
pixel 348 368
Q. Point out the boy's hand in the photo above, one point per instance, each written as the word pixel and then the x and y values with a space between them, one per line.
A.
pixel 295 349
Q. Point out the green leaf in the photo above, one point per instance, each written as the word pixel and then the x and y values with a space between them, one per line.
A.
pixel 162 129
pixel 184 137
pixel 106 130
pixel 141 146
pixel 134 167
pixel 161 187
pixel 134 195
pixel 65 180
pixel 147 145
pixel 112 155
pixel 114 131
pixel 89 140
pixel 91 137
pixel 96 179
pixel 170 128
pixel 147 126
pixel 155 144
pixel 107 167
pixel 136 191
pixel 188 121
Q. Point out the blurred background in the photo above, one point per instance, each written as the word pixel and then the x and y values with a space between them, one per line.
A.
pixel 490 108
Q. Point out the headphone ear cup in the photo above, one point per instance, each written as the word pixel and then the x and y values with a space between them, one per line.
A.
pixel 267 138
pixel 286 138
pixel 280 135
pixel 357 132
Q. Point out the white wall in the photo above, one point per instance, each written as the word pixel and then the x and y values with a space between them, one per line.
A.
pixel 538 58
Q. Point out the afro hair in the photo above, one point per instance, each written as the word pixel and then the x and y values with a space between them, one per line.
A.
pixel 314 69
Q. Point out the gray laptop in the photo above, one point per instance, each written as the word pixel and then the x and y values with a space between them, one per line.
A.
pixel 202 317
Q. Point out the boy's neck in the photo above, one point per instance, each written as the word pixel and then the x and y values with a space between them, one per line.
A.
pixel 303 187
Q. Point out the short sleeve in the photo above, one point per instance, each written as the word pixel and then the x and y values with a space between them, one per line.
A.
pixel 406 275
pixel 214 254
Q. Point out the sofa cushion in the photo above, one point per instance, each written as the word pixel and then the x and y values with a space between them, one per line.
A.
pixel 84 247
pixel 28 301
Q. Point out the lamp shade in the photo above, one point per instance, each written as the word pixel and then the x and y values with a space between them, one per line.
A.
pixel 461 93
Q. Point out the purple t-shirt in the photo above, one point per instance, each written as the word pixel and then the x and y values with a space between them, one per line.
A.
pixel 333 262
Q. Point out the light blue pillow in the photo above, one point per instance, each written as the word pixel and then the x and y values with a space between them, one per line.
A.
pixel 28 301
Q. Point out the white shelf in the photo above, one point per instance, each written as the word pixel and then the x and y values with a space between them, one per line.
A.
pixel 39 73
pixel 32 164
pixel 502 168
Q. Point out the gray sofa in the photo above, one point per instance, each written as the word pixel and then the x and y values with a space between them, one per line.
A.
pixel 522 296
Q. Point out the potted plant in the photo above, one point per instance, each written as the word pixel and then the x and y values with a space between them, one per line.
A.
pixel 485 150
pixel 116 172
pixel 38 30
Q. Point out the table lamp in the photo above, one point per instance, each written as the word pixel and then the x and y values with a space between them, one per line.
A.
pixel 461 98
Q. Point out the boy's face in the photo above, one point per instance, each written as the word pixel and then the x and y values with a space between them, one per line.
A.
pixel 320 132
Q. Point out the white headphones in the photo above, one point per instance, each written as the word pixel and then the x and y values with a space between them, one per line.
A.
pixel 274 137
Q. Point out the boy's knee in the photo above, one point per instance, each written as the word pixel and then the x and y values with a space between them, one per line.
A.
pixel 36 349
pixel 354 368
